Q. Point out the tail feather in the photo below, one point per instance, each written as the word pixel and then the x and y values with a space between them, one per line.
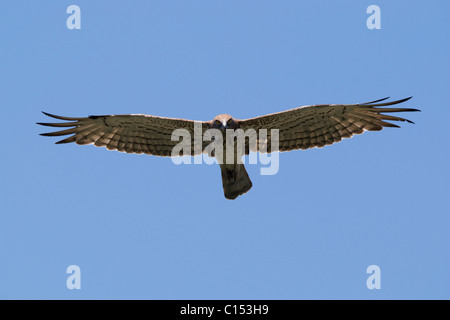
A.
pixel 235 181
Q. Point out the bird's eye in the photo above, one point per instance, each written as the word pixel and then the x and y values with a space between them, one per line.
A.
pixel 218 122
pixel 229 122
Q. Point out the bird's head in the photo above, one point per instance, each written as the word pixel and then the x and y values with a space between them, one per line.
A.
pixel 223 122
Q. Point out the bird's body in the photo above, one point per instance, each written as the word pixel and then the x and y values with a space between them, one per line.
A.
pixel 235 179
pixel 300 128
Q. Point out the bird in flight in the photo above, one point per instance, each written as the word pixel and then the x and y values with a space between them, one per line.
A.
pixel 299 128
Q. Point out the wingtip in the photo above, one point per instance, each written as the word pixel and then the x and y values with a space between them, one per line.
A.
pixel 61 117
pixel 398 101
pixel 47 134
pixel 376 101
pixel 405 99
pixel 50 115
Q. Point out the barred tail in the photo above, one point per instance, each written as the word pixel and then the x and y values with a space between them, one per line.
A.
pixel 235 181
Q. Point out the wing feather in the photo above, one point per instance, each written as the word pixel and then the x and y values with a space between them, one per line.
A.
pixel 320 125
pixel 132 133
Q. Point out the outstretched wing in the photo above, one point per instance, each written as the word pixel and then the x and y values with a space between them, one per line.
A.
pixel 320 125
pixel 131 133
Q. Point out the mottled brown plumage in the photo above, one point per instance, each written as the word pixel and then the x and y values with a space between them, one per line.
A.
pixel 300 128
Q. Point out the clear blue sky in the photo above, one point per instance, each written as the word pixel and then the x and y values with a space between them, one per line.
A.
pixel 142 227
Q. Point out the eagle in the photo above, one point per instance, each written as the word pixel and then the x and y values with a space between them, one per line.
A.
pixel 305 127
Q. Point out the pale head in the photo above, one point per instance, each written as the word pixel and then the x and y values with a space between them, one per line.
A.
pixel 223 122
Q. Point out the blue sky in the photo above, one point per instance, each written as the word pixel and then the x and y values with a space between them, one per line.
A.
pixel 141 227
